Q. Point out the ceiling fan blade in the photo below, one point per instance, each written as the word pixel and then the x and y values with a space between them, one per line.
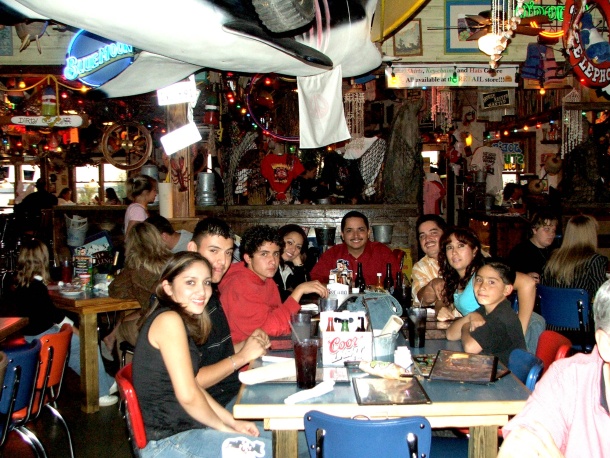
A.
pixel 526 30
pixel 478 34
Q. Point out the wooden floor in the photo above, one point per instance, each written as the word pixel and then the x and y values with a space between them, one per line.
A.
pixel 98 435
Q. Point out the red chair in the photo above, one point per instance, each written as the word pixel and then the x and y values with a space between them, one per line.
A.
pixel 551 347
pixel 133 414
pixel 54 354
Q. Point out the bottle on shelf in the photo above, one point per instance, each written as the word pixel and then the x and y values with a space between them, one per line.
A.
pixel 388 281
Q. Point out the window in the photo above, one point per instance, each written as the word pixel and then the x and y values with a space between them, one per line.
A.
pixel 88 182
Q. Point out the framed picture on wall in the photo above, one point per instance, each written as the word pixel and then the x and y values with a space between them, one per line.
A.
pixel 458 27
pixel 407 41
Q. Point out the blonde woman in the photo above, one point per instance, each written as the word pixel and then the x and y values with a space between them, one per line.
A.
pixel 145 256
pixel 30 298
pixel 142 191
pixel 576 264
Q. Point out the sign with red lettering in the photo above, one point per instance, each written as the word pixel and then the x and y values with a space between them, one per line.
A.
pixel 588 50
pixel 337 346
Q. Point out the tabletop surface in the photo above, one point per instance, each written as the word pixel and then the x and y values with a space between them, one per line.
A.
pixel 9 325
pixel 507 389
pixel 92 300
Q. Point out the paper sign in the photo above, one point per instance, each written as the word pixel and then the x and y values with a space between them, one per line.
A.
pixel 180 138
pixel 338 347
pixel 182 92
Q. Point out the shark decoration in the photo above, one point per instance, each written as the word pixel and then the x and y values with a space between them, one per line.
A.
pixel 179 38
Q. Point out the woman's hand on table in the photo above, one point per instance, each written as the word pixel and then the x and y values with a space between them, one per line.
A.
pixel 253 347
pixel 445 314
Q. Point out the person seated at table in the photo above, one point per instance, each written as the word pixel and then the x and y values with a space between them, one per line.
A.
pixel 356 248
pixel 30 298
pixel 112 198
pixel 459 258
pixel 65 197
pixel 494 327
pixel 176 241
pixel 248 293
pixel 530 256
pixel 430 229
pixel 291 271
pixel 145 256
pixel 512 198
pixel 576 263
pixel 567 414
pixel 180 417
pixel 213 239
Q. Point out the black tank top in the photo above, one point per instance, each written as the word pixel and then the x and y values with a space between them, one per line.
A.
pixel 163 415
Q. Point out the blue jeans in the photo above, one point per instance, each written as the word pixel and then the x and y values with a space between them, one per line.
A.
pixel 105 381
pixel 209 443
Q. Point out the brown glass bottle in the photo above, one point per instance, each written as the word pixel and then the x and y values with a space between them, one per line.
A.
pixel 360 282
pixel 361 327
pixel 330 327
pixel 388 281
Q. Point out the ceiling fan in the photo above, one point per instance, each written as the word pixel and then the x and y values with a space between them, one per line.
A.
pixel 482 24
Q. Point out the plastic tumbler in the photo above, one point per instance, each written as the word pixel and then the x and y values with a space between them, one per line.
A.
pixel 306 362
pixel 301 325
pixel 417 326
pixel 66 271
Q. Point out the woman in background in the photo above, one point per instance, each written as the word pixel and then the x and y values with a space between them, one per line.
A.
pixel 30 298
pixel 111 197
pixel 291 272
pixel 576 264
pixel 65 197
pixel 142 191
pixel 182 419
pixel 145 256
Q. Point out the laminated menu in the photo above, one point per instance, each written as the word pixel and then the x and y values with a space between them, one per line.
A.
pixel 466 367
pixel 380 391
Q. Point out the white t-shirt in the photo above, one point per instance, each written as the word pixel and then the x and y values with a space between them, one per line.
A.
pixel 490 159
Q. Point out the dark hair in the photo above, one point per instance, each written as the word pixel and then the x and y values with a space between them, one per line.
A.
pixel 440 222
pixel 198 327
pixel 161 223
pixel 254 237
pixel 354 214
pixel 64 192
pixel 138 184
pixel 507 275
pixel 541 218
pixel 211 226
pixel 111 194
pixel 509 189
pixel 41 184
pixel 287 229
pixel 453 282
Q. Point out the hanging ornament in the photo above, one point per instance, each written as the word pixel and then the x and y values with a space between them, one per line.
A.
pixel 211 117
pixel 49 102
pixel 572 124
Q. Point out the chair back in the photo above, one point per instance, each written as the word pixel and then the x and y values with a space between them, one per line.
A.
pixel 526 367
pixel 337 437
pixel 550 344
pixel 3 366
pixel 19 383
pixel 566 308
pixel 133 414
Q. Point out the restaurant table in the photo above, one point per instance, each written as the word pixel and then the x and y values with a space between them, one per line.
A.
pixel 481 407
pixel 88 305
pixel 10 325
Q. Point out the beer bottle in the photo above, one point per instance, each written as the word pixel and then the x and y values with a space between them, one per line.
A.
pixel 330 327
pixel 360 282
pixel 361 327
pixel 388 281
pixel 344 325
pixel 379 285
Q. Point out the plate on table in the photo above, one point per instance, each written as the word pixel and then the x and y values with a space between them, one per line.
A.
pixel 70 292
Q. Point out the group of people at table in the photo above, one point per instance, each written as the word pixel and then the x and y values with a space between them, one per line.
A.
pixel 204 317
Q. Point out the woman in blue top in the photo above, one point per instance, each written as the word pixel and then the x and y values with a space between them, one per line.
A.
pixel 459 259
pixel 181 419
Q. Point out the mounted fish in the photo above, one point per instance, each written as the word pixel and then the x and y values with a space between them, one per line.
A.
pixel 29 30
pixel 179 40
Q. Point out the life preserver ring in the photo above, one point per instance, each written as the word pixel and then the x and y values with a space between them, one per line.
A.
pixel 591 71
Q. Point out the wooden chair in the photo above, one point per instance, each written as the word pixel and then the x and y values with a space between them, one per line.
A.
pixel 551 347
pixel 567 309
pixel 133 414
pixel 337 437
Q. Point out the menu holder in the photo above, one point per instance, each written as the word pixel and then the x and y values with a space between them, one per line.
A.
pixel 380 391
pixel 466 367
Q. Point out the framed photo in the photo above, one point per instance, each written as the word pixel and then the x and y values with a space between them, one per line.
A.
pixel 407 42
pixel 458 27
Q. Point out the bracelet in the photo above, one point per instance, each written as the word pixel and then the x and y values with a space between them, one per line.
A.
pixel 233 361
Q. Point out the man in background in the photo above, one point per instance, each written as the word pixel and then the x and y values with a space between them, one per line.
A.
pixel 176 241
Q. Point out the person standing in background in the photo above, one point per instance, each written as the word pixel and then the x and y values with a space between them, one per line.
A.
pixel 142 191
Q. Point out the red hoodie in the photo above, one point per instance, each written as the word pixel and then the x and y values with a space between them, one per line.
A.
pixel 250 303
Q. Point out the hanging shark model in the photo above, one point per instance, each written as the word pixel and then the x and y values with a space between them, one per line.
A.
pixel 178 38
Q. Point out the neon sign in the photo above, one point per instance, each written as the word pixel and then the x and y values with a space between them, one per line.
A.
pixel 94 60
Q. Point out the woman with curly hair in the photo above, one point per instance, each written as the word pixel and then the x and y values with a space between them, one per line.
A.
pixel 291 272
pixel 459 258
pixel 576 264
pixel 145 256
